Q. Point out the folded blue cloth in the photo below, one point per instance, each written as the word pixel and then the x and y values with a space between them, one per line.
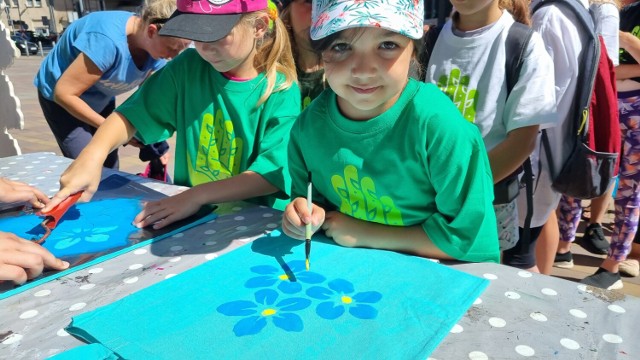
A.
pixel 91 351
pixel 259 302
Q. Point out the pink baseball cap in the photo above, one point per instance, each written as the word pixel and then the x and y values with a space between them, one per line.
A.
pixel 208 20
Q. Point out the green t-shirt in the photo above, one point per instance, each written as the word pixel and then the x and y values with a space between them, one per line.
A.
pixel 220 132
pixel 419 162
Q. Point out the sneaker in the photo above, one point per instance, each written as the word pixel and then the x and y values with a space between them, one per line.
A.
pixel 593 240
pixel 604 279
pixel 630 267
pixel 564 261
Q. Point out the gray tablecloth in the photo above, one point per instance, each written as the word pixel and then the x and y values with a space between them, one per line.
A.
pixel 520 315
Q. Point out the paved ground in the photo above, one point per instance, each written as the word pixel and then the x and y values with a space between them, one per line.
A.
pixel 36 136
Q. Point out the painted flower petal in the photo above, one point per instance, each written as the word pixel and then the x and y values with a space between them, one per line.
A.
pixel 237 308
pixel 97 238
pixel 264 269
pixel 319 292
pixel 297 266
pixel 66 243
pixel 289 287
pixel 341 286
pixel 293 304
pixel 104 230
pixel 309 277
pixel 249 326
pixel 288 322
pixel 266 296
pixel 260 281
pixel 368 297
pixel 328 310
pixel 363 311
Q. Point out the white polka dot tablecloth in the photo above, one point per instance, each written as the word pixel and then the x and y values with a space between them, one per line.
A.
pixel 520 315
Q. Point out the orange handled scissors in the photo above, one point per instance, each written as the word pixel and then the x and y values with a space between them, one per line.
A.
pixel 54 215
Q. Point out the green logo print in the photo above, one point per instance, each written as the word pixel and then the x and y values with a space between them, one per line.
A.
pixel 457 88
pixel 219 151
pixel 306 102
pixel 360 200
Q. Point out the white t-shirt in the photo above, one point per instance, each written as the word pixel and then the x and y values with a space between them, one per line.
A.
pixel 471 71
pixel 607 22
pixel 564 43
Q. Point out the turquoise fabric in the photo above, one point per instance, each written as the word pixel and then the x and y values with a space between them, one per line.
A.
pixel 259 302
pixel 92 352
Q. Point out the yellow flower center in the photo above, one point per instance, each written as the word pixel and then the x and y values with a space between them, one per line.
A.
pixel 346 299
pixel 268 312
pixel 283 277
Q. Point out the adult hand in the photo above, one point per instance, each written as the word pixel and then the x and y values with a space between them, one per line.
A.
pixel 14 191
pixel 296 216
pixel 167 211
pixel 22 259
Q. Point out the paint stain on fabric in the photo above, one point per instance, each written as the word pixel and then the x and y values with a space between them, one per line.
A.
pixel 5 335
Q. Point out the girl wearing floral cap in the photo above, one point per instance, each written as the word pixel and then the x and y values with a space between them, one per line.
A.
pixel 231 102
pixel 394 165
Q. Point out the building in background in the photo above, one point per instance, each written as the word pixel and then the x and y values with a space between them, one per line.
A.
pixel 48 18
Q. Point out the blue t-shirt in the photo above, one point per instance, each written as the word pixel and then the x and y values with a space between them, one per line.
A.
pixel 102 37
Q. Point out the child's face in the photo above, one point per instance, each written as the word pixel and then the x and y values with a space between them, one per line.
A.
pixel 234 53
pixel 300 18
pixel 368 69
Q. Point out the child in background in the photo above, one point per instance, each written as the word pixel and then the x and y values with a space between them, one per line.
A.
pixel 392 160
pixel 607 24
pixel 231 101
pixel 100 56
pixel 468 64
pixel 296 16
pixel 22 259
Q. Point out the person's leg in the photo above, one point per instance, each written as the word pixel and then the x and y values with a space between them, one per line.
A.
pixel 569 213
pixel 522 255
pixel 594 240
pixel 627 201
pixel 547 245
pixel 71 134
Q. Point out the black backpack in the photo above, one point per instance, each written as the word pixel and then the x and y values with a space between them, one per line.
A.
pixel 590 164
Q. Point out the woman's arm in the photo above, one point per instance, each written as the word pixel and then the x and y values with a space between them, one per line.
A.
pixel 78 78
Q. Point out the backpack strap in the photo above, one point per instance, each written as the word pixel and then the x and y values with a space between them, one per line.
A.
pixel 515 48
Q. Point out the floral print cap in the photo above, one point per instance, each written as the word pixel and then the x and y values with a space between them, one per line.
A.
pixel 402 16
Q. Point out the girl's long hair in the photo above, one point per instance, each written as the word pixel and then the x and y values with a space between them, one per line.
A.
pixel 519 9
pixel 273 53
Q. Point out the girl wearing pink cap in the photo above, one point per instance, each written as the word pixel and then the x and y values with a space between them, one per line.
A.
pixel 231 102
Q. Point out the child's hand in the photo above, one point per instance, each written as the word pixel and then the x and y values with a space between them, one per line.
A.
pixel 13 191
pixel 80 175
pixel 166 211
pixel 296 216
pixel 343 229
pixel 22 259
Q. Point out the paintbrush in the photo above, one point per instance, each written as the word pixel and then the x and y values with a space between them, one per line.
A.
pixel 307 241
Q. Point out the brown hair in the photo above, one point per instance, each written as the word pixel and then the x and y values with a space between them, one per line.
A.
pixel 519 9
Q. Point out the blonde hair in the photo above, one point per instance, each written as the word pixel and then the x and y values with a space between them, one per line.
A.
pixel 156 11
pixel 519 9
pixel 273 54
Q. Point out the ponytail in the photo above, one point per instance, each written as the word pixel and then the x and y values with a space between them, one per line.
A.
pixel 273 55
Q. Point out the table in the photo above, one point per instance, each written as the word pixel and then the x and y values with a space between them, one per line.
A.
pixel 520 314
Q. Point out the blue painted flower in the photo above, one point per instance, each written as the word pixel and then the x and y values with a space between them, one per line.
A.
pixel 91 235
pixel 339 298
pixel 271 275
pixel 265 307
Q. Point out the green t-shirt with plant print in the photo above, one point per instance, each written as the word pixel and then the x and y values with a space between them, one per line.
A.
pixel 220 130
pixel 418 163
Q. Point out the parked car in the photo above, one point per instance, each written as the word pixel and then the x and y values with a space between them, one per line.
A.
pixel 20 44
